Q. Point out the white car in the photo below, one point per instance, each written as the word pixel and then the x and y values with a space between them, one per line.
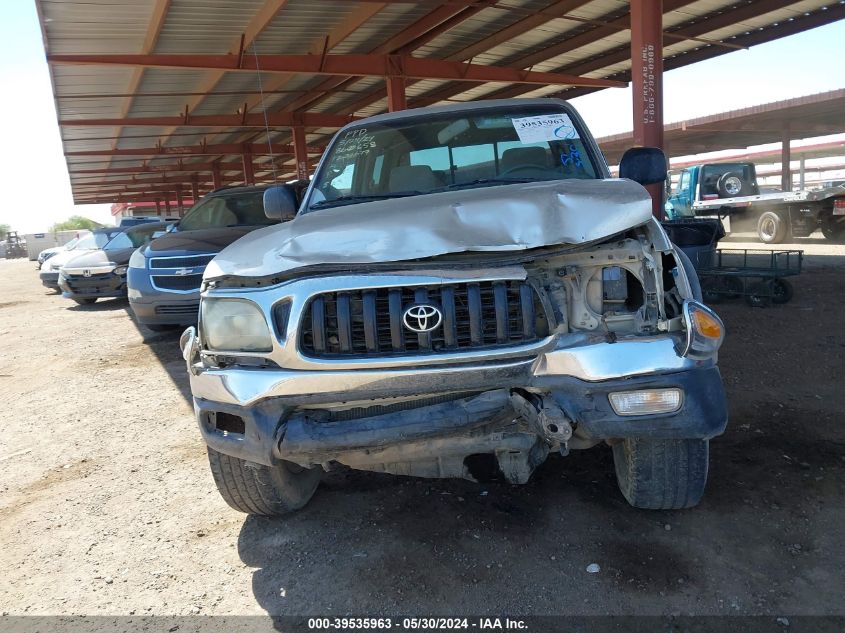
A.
pixel 91 242
pixel 47 253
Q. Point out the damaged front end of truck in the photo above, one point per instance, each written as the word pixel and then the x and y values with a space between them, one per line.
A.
pixel 460 331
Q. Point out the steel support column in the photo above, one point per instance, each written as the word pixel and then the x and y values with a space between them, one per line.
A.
pixel 180 207
pixel 396 99
pixel 647 81
pixel 300 152
pixel 195 188
pixel 167 205
pixel 216 177
pixel 158 207
pixel 249 171
pixel 802 176
pixel 785 160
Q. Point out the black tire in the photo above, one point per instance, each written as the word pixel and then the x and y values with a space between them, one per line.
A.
pixel 692 274
pixel 782 291
pixel 662 474
pixel 771 228
pixel 258 489
pixel 731 185
pixel 831 229
pixel 84 301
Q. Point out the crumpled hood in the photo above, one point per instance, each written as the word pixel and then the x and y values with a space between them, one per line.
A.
pixel 490 219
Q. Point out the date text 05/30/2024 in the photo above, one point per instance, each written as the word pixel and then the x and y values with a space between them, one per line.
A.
pixel 416 624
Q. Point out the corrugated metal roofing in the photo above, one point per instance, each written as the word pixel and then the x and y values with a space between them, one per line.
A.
pixel 590 38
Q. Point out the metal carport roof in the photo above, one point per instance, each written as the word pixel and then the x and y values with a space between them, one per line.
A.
pixel 187 110
pixel 814 115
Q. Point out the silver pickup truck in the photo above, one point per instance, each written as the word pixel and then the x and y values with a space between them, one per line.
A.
pixel 464 291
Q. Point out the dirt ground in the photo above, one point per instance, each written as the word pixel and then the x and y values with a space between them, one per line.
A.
pixel 107 505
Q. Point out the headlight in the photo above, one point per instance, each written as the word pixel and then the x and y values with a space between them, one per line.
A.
pixel 120 270
pixel 138 260
pixel 234 325
pixel 705 331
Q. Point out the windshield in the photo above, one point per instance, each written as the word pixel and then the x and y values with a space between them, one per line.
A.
pixel 94 241
pixel 234 209
pixel 452 151
pixel 72 244
pixel 133 238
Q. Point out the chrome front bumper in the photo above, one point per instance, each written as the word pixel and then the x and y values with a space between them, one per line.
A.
pixel 588 360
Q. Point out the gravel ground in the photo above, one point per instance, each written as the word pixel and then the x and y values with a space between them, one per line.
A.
pixel 107 505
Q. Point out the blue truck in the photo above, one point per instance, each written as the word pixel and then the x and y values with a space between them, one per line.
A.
pixel 731 190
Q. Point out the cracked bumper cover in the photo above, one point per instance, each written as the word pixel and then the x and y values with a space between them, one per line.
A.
pixel 579 380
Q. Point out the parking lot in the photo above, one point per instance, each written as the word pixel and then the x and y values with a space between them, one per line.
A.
pixel 108 499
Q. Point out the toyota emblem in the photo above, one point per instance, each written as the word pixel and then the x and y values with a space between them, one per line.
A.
pixel 422 318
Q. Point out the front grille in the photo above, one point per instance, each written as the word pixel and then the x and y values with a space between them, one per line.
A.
pixel 178 308
pixel 177 282
pixel 91 278
pixel 190 261
pixel 475 316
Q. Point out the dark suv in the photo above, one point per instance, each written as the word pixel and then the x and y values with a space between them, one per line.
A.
pixel 164 277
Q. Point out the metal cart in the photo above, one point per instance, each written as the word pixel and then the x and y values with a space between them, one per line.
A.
pixel 758 275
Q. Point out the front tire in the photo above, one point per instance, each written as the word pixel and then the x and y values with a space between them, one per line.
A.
pixel 257 489
pixel 661 474
pixel 84 302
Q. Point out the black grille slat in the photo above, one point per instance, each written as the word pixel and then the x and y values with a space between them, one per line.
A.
pixel 476 320
pixel 344 323
pixel 500 303
pixel 397 336
pixel 450 329
pixel 526 301
pixel 369 322
pixel 318 324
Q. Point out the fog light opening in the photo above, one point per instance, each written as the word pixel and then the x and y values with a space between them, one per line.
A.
pixel 646 401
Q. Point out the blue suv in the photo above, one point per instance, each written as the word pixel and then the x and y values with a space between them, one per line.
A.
pixel 164 276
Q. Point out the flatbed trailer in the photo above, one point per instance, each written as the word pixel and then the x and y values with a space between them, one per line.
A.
pixel 730 190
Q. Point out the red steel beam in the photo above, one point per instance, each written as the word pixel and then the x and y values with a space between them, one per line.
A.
pixel 153 169
pixel 366 65
pixel 396 99
pixel 647 78
pixel 213 149
pixel 249 171
pixel 280 119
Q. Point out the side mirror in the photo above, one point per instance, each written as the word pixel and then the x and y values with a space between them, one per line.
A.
pixel 645 165
pixel 280 202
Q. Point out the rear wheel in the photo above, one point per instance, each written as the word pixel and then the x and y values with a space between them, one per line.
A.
pixel 832 230
pixel 771 228
pixel 661 474
pixel 84 301
pixel 781 291
pixel 258 489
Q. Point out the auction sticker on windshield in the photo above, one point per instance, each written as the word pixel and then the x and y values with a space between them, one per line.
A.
pixel 548 127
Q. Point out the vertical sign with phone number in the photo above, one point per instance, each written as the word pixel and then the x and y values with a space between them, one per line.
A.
pixel 648 95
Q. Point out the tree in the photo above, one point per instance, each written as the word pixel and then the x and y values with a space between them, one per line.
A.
pixel 4 228
pixel 76 222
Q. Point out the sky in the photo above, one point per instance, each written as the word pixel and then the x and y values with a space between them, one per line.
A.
pixel 37 189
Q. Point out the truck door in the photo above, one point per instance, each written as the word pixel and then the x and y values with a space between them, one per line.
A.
pixel 679 204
